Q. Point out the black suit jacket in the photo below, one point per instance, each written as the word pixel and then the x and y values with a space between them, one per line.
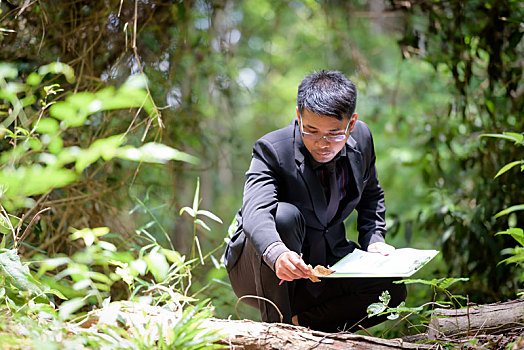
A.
pixel 280 172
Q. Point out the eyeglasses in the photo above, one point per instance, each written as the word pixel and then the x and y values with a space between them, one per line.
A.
pixel 329 138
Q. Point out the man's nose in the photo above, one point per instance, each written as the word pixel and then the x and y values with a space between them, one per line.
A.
pixel 323 141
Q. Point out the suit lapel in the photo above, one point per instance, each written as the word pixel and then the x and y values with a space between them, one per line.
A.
pixel 313 185
pixel 355 162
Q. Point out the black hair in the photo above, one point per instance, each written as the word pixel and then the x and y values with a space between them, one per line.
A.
pixel 327 93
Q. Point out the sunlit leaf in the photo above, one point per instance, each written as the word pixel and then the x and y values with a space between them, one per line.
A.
pixel 515 232
pixel 439 283
pixel 155 153
pixel 68 308
pixel 196 199
pixel 509 210
pixel 135 82
pixel 215 262
pixel 8 71
pixel 188 210
pixel 56 68
pixel 385 297
pixel 34 79
pixel 393 316
pixel 139 265
pixel 209 215
pixel 51 264
pixel 375 309
pixel 517 138
pixel 29 181
pixel 197 241
pixel 508 167
pixel 202 224
pixel 68 113
pixel 173 256
pixel 83 284
pixel 158 265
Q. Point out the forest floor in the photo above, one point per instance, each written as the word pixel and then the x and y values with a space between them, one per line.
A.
pixel 141 327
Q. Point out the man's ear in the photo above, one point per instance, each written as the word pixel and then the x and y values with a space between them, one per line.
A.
pixel 353 121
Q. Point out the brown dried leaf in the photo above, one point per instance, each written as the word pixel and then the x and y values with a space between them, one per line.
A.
pixel 318 271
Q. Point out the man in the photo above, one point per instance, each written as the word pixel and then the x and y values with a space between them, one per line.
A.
pixel 303 182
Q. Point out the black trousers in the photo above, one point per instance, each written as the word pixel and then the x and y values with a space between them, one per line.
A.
pixel 342 303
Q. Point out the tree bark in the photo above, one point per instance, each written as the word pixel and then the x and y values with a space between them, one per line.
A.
pixel 481 319
pixel 250 335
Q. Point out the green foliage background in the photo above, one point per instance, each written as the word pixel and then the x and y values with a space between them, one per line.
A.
pixel 431 76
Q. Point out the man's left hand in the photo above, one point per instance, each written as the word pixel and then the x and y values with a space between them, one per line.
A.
pixel 381 247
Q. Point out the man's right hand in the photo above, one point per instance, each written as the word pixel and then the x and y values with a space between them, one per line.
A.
pixel 290 266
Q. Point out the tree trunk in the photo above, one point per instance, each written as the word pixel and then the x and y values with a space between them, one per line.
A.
pixel 482 319
pixel 252 335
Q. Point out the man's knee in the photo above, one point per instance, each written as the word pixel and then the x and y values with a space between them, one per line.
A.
pixel 289 220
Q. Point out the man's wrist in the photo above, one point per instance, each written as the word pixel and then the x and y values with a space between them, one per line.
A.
pixel 273 252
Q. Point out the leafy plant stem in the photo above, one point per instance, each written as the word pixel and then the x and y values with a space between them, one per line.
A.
pixel 156 220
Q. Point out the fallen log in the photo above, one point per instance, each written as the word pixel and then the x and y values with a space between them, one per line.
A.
pixel 246 334
pixel 482 319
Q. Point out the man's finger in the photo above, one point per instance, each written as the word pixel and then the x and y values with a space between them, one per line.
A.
pixel 301 266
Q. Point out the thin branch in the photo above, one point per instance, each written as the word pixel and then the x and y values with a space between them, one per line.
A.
pixel 261 298
pixel 27 229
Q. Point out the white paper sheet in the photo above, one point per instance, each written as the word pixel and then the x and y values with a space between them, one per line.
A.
pixel 401 263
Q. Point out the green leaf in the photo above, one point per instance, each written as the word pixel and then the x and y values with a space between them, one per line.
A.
pixel 515 232
pixel 375 309
pixel 28 181
pixel 65 111
pixel 15 273
pixel 209 215
pixel 8 71
pixel 393 316
pixel 197 241
pixel 106 148
pixel 442 283
pixel 153 152
pixel 509 166
pixel 34 79
pixel 215 262
pixel 51 264
pixel 188 210
pixel 509 210
pixel 203 224
pixel 402 308
pixel 158 266
pixel 385 297
pixel 35 144
pixel 135 82
pixel 173 256
pixel 517 255
pixel 56 144
pixel 97 276
pixel 8 224
pixel 490 106
pixel 68 308
pixel 517 138
pixel 47 126
pixel 196 199
pixel 57 68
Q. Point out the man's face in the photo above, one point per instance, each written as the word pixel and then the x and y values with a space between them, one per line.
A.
pixel 315 127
